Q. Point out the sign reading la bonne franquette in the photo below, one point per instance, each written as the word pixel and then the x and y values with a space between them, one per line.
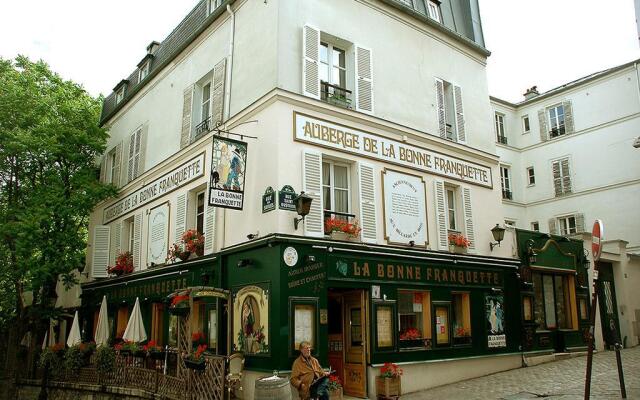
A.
pixel 342 138
pixel 178 177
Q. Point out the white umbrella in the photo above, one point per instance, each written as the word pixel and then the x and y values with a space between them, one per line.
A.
pixel 74 336
pixel 102 327
pixel 44 342
pixel 135 331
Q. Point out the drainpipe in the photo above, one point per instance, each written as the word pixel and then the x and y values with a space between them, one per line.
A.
pixel 227 95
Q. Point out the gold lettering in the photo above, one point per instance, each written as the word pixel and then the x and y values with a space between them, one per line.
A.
pixel 308 129
pixel 437 274
pixel 400 271
pixel 417 272
pixel 475 277
pixel 461 277
pixel 356 269
pixel 390 273
pixel 380 271
pixel 468 275
pixel 482 277
pixel 324 132
pixel 409 272
pixel 365 271
pixel 452 276
pixel 445 278
pixel 429 270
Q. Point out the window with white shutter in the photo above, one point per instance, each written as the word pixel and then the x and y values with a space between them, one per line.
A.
pixel 468 218
pixel 505 180
pixel 100 259
pixel 209 229
pixel 442 224
pixel 135 159
pixel 180 220
pixel 450 113
pixel 561 177
pixel 364 80
pixel 187 103
pixel 115 243
pixel 217 101
pixel 310 62
pixel 312 186
pixel 367 191
pixel 570 224
pixel 137 239
pixel 500 133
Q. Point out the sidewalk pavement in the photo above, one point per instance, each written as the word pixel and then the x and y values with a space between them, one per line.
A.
pixel 558 380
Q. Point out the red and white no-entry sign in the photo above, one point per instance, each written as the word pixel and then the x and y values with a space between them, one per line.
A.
pixel 596 239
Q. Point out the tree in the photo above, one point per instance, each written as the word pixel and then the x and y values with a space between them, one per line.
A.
pixel 49 143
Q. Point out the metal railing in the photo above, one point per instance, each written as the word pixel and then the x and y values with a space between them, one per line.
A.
pixel 506 194
pixel 502 139
pixel 335 95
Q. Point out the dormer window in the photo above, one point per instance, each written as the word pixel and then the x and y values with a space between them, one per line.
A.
pixel 119 95
pixel 144 70
pixel 434 10
pixel 213 5
pixel 120 90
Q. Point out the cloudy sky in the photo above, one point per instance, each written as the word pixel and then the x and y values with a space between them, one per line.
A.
pixel 533 42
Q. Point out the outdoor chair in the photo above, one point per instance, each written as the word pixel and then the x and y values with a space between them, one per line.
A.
pixel 234 377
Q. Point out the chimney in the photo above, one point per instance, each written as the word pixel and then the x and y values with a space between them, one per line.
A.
pixel 152 47
pixel 531 93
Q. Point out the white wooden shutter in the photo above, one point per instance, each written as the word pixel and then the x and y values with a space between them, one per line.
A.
pixel 442 217
pixel 116 237
pixel 442 119
pixel 542 120
pixel 566 176
pixel 457 94
pixel 367 190
pixel 137 241
pixel 568 117
pixel 187 103
pixel 180 222
pixel 468 217
pixel 100 261
pixel 131 157
pixel 311 62
pixel 117 179
pixel 142 150
pixel 557 178
pixel 219 75
pixel 553 227
pixel 103 169
pixel 209 228
pixel 580 223
pixel 312 186
pixel 364 80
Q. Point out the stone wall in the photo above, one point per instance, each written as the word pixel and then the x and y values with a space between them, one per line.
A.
pixel 30 389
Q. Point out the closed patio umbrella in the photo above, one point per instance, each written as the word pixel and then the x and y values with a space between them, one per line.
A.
pixel 74 336
pixel 102 327
pixel 135 331
pixel 46 339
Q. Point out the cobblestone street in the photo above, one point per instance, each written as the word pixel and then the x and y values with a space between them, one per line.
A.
pixel 562 379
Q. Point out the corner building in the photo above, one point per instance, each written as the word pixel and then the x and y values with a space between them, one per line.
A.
pixel 377 110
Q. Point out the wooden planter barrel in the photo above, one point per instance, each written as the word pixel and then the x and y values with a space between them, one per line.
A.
pixel 272 388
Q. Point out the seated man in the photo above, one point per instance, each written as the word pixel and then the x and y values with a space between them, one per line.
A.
pixel 308 376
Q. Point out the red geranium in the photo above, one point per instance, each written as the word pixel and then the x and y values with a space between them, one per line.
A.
pixel 179 299
pixel 459 239
pixel 124 264
pixel 390 370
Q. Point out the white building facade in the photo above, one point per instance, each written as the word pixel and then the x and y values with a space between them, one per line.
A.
pixel 570 156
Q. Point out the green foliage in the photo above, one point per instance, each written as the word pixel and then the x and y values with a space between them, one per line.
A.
pixel 49 144
pixel 51 357
pixel 105 359
pixel 73 359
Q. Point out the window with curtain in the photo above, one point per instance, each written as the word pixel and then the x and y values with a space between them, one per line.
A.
pixel 461 310
pixel 336 187
pixel 555 301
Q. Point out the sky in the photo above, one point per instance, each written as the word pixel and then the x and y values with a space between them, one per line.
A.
pixel 533 42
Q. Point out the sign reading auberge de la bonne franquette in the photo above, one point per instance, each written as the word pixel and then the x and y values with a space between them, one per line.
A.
pixel 343 138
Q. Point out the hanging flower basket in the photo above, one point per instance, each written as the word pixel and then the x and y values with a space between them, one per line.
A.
pixel 180 304
pixel 195 365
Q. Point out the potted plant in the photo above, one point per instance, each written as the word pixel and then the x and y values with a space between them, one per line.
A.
pixel 124 264
pixel 87 349
pixel 198 338
pixel 51 358
pixel 193 242
pixel 105 359
pixel 153 350
pixel 461 336
pixel 340 229
pixel 195 359
pixel 411 337
pixel 458 243
pixel 334 387
pixel 388 382
pixel 179 303
pixel 74 359
pixel 177 251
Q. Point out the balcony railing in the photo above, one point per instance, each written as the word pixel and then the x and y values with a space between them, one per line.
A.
pixel 502 139
pixel 335 95
pixel 555 132
pixel 506 194
pixel 203 127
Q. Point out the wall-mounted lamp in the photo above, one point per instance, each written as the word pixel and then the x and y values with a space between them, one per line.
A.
pixel 531 254
pixel 303 205
pixel 245 262
pixel 585 260
pixel 498 235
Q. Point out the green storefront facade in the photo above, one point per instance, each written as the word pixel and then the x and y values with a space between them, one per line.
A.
pixel 363 305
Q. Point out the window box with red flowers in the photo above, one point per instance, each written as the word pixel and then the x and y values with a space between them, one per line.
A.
pixel 191 245
pixel 335 388
pixel 195 360
pixel 124 264
pixel 458 243
pixel 339 229
pixel 388 382
pixel 179 304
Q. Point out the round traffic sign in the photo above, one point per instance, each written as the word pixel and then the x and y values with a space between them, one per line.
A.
pixel 596 239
